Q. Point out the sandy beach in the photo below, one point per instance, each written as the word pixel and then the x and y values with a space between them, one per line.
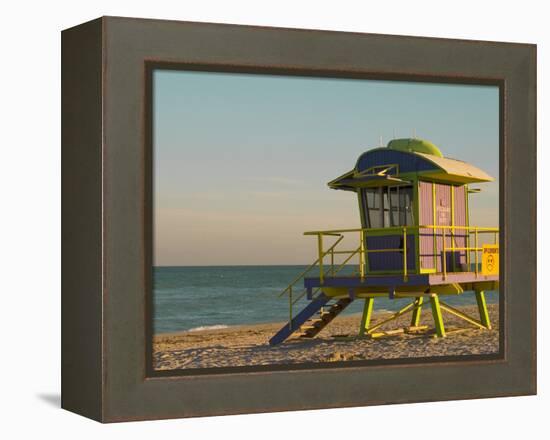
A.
pixel 248 345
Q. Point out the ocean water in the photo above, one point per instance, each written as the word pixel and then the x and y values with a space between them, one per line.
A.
pixel 193 298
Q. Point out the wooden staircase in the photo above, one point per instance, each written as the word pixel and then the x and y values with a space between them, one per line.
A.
pixel 312 318
pixel 313 326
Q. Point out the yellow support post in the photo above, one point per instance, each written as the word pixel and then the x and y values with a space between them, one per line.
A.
pixel 320 245
pixel 438 318
pixel 415 321
pixel 367 313
pixel 460 314
pixel 482 307
pixel 392 317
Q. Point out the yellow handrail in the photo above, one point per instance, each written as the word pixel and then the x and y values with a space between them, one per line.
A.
pixel 476 244
pixel 363 252
pixel 444 255
pixel 311 266
pixel 342 265
pixel 321 255
pixel 400 228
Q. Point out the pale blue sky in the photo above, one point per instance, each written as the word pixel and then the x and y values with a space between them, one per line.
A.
pixel 242 161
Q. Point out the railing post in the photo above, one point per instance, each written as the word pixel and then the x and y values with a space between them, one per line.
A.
pixel 444 252
pixel 476 244
pixel 468 255
pixel 332 261
pixel 290 308
pixel 405 254
pixel 362 254
pixel 320 245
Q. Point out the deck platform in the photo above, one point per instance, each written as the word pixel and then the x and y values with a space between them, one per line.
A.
pixel 388 282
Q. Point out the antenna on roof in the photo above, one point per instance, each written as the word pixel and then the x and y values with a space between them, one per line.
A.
pixel 414 133
pixel 394 136
pixel 381 142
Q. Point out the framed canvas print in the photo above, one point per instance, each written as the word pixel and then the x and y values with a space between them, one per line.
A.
pixel 263 219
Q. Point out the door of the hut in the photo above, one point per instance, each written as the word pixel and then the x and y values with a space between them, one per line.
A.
pixel 443 217
pixel 448 209
pixel 426 235
pixel 460 235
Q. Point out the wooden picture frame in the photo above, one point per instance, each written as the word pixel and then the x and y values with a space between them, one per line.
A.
pixel 107 213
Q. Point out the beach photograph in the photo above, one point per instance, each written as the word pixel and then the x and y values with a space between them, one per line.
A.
pixel 300 220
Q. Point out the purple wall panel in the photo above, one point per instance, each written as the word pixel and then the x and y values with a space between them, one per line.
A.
pixel 384 261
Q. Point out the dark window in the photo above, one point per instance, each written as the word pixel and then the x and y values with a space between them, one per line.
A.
pixel 401 205
pixel 388 206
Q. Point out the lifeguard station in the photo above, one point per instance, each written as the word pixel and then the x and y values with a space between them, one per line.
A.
pixel 415 242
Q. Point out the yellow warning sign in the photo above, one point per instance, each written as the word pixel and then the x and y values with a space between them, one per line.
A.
pixel 489 259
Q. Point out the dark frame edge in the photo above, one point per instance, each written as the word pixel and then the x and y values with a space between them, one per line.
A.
pixel 533 62
pixel 96 380
pixel 150 66
pixel 82 219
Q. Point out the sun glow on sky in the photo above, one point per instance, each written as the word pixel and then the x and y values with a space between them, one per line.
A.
pixel 241 161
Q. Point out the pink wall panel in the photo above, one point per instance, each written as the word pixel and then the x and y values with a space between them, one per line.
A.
pixel 460 220
pixel 445 215
pixel 426 239
pixel 442 218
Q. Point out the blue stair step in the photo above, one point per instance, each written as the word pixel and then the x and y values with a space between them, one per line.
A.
pixel 335 310
pixel 307 312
